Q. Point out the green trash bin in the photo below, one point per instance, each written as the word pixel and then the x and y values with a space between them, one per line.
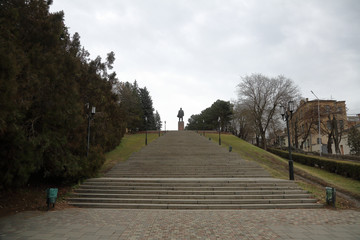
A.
pixel 330 196
pixel 230 148
pixel 51 195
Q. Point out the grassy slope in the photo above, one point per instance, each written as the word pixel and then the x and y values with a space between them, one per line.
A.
pixel 278 167
pixel 129 144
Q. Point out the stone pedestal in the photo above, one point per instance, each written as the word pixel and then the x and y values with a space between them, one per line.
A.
pixel 181 126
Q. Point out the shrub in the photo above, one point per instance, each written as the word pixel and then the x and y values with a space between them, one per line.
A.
pixel 346 169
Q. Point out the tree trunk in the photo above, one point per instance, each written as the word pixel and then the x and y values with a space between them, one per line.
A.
pixel 263 141
pixel 296 137
pixel 336 135
pixel 329 144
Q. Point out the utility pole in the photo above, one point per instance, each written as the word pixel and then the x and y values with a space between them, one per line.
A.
pixel 320 140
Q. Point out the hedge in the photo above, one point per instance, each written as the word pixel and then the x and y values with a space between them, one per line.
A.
pixel 346 169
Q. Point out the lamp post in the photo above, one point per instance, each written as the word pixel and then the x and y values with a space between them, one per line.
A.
pixel 203 127
pixel 159 129
pixel 320 142
pixel 219 120
pixel 145 130
pixel 90 117
pixel 165 127
pixel 286 114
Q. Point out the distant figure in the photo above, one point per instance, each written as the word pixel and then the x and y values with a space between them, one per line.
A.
pixel 180 115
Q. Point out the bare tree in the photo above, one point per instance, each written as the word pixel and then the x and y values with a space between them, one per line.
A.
pixel 296 133
pixel 334 126
pixel 275 130
pixel 242 121
pixel 262 96
pixel 305 122
pixel 354 140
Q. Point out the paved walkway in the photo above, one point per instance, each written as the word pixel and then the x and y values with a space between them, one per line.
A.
pixel 75 223
pixel 92 223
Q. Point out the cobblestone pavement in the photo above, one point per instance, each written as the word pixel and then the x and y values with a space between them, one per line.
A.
pixel 75 223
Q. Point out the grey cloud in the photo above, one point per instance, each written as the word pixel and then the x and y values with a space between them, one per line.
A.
pixel 203 47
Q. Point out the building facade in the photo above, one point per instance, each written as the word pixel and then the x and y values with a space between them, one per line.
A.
pixel 304 126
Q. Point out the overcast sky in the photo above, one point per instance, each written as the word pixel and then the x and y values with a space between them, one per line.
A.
pixel 189 53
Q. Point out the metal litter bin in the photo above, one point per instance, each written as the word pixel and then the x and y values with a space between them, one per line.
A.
pixel 51 195
pixel 330 196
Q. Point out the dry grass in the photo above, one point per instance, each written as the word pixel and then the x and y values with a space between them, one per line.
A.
pixel 129 144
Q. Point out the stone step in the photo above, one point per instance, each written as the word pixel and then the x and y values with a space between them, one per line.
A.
pixel 193 201
pixel 189 184
pixel 186 172
pixel 169 196
pixel 189 172
pixel 187 164
pixel 186 176
pixel 179 192
pixel 193 180
pixel 176 173
pixel 193 171
pixel 198 206
pixel 192 188
pixel 183 170
pixel 188 161
pixel 233 167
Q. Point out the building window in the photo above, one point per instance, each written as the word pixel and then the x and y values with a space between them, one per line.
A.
pixel 341 123
pixel 327 108
pixel 328 124
pixel 318 140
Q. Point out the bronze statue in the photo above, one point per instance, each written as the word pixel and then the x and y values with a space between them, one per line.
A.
pixel 180 115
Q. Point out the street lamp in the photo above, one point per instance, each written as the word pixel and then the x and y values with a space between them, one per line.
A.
pixel 90 117
pixel 145 130
pixel 159 129
pixel 203 127
pixel 320 142
pixel 286 116
pixel 219 120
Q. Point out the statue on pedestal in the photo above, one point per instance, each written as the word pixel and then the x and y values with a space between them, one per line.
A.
pixel 180 115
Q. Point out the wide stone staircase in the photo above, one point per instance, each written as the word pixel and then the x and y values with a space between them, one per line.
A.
pixel 183 170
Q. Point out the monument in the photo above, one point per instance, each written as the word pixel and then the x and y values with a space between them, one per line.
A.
pixel 181 120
